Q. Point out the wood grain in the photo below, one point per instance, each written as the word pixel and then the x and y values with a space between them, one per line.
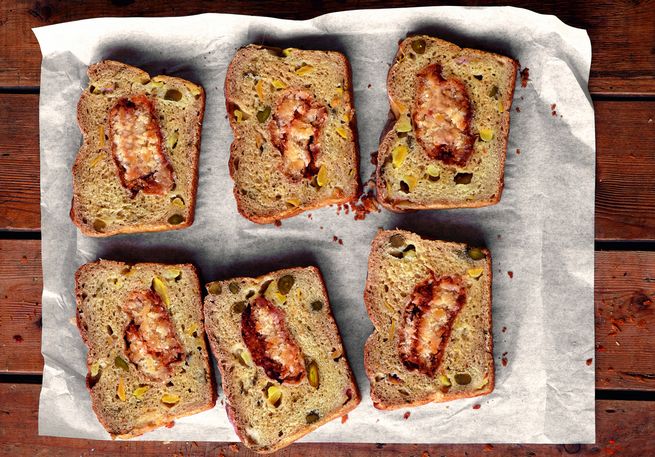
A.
pixel 20 306
pixel 625 289
pixel 623 427
pixel 19 162
pixel 621 31
pixel 625 141
pixel 625 163
pixel 625 320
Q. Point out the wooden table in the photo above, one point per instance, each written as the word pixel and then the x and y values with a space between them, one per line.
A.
pixel 622 85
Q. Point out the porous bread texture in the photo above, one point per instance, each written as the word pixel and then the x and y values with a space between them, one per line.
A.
pixel 101 205
pixel 489 81
pixel 101 288
pixel 262 426
pixel 256 80
pixel 389 286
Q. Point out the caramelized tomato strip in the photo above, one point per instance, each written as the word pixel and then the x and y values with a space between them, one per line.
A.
pixel 427 322
pixel 264 330
pixel 295 130
pixel 136 145
pixel 150 339
pixel 442 117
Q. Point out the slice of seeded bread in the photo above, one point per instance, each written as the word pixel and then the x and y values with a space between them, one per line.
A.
pixel 283 366
pixel 137 168
pixel 295 139
pixel 147 359
pixel 446 142
pixel 430 303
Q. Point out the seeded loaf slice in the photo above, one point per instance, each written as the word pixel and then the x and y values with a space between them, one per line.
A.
pixel 147 359
pixel 445 145
pixel 137 168
pixel 430 303
pixel 283 366
pixel 295 139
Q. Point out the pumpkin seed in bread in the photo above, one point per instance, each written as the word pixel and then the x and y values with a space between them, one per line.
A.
pixel 137 168
pixel 446 144
pixel 295 140
pixel 430 303
pixel 147 360
pixel 282 362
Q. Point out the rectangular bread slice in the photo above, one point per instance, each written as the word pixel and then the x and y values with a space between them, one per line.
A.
pixel 283 365
pixel 147 360
pixel 295 139
pixel 446 141
pixel 430 303
pixel 137 168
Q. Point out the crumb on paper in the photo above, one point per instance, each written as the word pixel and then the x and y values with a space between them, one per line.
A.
pixel 344 418
pixel 503 360
pixel 336 239
pixel 278 223
pixel 510 274
pixel 406 415
pixel 504 329
pixel 476 406
pixel 518 151
pixel 374 157
pixel 588 362
pixel 553 112
pixel 525 77
pixel 518 109
pixel 309 216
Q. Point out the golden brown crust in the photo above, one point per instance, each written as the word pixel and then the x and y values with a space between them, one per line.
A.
pixel 287 440
pixel 85 337
pixel 86 227
pixel 401 206
pixel 372 309
pixel 231 79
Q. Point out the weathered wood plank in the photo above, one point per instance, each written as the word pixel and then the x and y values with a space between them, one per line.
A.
pixel 19 162
pixel 20 306
pixel 623 59
pixel 623 427
pixel 625 289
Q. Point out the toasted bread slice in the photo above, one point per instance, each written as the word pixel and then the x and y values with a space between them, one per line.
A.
pixel 137 168
pixel 295 139
pixel 446 143
pixel 430 303
pixel 148 361
pixel 283 366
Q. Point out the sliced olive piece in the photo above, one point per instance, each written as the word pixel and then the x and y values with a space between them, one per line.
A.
pixel 99 225
pixel 418 46
pixel 476 253
pixel 317 305
pixel 176 219
pixel 463 178
pixel 285 283
pixel 463 379
pixel 122 364
pixel 238 307
pixel 397 240
pixel 262 115
pixel 312 417
pixel 173 95
pixel 214 288
pixel 234 287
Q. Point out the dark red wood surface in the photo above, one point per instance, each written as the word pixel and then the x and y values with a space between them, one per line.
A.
pixel 622 84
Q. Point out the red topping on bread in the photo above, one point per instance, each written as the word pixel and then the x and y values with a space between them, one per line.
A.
pixel 442 117
pixel 270 343
pixel 150 339
pixel 295 130
pixel 136 145
pixel 427 322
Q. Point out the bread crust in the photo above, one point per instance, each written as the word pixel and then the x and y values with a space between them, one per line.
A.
pixel 86 149
pixel 85 337
pixel 406 205
pixel 287 440
pixel 372 310
pixel 232 75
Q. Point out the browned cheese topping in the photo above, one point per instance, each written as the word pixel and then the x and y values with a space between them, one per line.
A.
pixel 268 339
pixel 295 130
pixel 136 144
pixel 442 117
pixel 151 342
pixel 427 322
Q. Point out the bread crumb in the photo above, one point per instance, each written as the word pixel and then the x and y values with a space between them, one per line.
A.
pixel 518 110
pixel 369 86
pixel 344 418
pixel 504 329
pixel 525 77
pixel 406 415
pixel 504 361
pixel 171 424
pixel 374 158
pixel 336 239
pixel 518 151
pixel 552 109
pixel 278 223
pixel 476 406
pixel 589 361
pixel 510 274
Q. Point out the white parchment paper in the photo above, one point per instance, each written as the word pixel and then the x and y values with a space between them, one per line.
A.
pixel 542 231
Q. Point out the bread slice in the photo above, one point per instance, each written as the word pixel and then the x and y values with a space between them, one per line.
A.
pixel 283 365
pixel 295 139
pixel 446 142
pixel 420 291
pixel 137 168
pixel 148 362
